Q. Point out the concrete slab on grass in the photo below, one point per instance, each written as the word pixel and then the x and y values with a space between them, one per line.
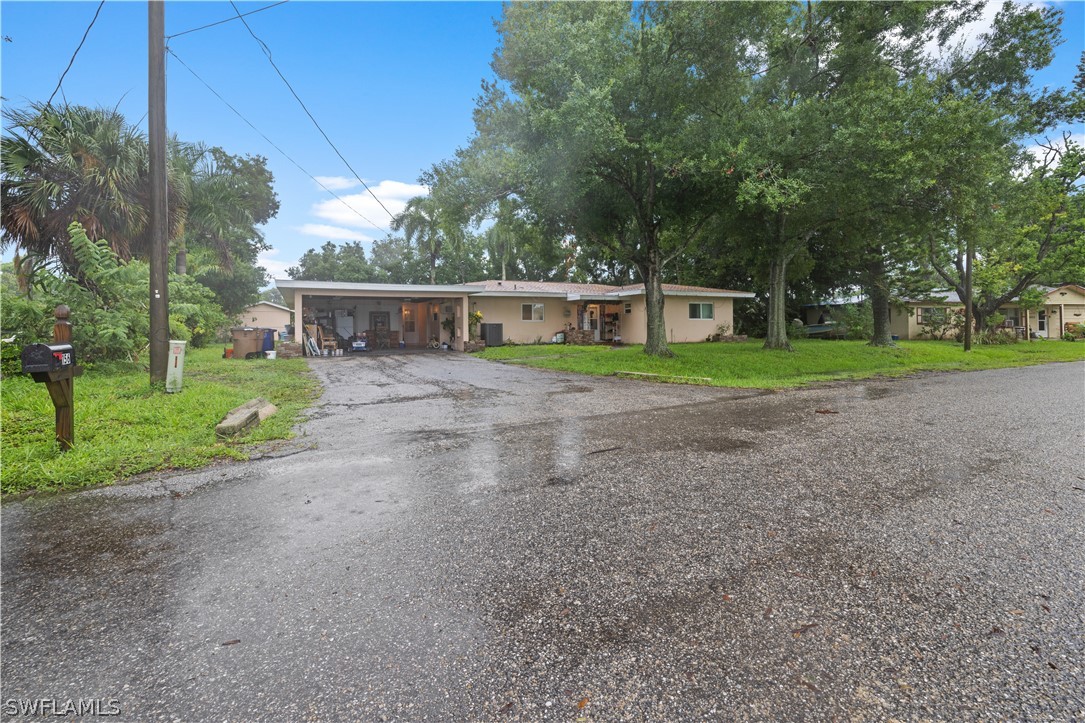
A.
pixel 247 415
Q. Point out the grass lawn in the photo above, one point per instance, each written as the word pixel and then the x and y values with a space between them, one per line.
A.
pixel 122 428
pixel 748 365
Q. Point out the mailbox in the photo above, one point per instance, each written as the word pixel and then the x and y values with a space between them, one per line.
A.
pixel 47 357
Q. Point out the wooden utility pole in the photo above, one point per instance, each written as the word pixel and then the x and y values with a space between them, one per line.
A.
pixel 969 252
pixel 156 130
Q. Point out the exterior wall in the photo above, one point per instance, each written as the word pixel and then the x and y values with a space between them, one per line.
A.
pixel 1066 306
pixel 505 310
pixel 907 320
pixel 268 317
pixel 632 326
pixel 681 328
pixel 635 323
pixel 900 321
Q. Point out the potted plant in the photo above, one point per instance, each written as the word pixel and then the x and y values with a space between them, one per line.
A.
pixel 449 325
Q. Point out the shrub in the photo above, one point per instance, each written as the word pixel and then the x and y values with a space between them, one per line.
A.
pixel 857 319
pixel 109 306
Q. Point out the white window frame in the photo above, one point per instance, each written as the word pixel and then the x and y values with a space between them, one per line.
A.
pixel 531 310
pixel 628 307
pixel 702 304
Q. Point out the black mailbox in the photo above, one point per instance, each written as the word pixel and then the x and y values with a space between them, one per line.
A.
pixel 47 357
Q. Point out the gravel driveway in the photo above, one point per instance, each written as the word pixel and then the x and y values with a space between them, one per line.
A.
pixel 452 539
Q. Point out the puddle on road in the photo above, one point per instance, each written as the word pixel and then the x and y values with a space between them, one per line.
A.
pixel 87 538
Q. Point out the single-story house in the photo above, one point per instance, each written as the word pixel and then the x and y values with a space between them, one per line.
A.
pixel 1062 305
pixel 527 310
pixel 267 315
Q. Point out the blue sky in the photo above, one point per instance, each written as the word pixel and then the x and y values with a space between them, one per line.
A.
pixel 392 83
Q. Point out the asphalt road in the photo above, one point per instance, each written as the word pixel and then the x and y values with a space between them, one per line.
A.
pixel 452 539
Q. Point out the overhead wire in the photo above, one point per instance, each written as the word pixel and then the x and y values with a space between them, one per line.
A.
pixel 227 20
pixel 77 49
pixel 272 143
pixel 267 53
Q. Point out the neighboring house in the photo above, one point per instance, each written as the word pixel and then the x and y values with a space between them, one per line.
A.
pixel 267 315
pixel 1063 305
pixel 527 310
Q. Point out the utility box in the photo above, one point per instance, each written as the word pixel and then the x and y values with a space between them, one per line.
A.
pixel 47 357
pixel 492 334
pixel 175 366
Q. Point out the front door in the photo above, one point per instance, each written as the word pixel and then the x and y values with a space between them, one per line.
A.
pixel 1041 323
pixel 591 323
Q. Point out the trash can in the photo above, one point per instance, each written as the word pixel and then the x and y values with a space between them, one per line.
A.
pixel 247 341
pixel 269 340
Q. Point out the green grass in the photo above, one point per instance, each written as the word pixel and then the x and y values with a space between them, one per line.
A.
pixel 122 428
pixel 748 365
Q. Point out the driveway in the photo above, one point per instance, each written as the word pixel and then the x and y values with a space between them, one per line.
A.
pixel 452 539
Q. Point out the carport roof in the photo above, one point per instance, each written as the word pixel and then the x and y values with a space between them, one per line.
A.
pixel 349 288
pixel 569 291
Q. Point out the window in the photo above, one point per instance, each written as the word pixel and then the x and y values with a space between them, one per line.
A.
pixel 702 311
pixel 531 312
pixel 628 308
pixel 408 320
pixel 924 314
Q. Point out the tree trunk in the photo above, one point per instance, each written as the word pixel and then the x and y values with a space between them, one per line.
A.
pixel 776 336
pixel 656 341
pixel 878 289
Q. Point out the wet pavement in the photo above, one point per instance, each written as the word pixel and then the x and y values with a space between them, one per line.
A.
pixel 451 539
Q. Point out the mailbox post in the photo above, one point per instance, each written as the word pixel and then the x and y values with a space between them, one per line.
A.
pixel 54 365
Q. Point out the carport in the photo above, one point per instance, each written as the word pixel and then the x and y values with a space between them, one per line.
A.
pixel 408 313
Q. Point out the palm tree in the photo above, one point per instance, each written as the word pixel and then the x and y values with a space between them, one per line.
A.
pixel 420 223
pixel 73 163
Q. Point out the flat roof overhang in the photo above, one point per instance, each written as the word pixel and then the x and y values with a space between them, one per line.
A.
pixel 288 287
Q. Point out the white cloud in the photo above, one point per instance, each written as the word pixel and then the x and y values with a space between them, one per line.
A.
pixel 1040 153
pixel 337 183
pixel 349 210
pixel 968 37
pixel 325 231
pixel 275 268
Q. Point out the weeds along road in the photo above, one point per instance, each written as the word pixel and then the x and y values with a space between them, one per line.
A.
pixel 461 540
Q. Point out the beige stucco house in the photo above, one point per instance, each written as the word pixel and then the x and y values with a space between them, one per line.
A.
pixel 1062 305
pixel 528 311
pixel 267 315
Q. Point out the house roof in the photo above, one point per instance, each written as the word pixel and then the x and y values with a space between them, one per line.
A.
pixel 493 287
pixel 936 297
pixel 1049 289
pixel 576 292
pixel 268 303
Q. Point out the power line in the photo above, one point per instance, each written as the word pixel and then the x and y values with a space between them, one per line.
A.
pixel 78 48
pixel 267 52
pixel 227 20
pixel 273 145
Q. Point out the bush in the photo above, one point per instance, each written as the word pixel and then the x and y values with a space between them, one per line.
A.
pixel 857 319
pixel 109 306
